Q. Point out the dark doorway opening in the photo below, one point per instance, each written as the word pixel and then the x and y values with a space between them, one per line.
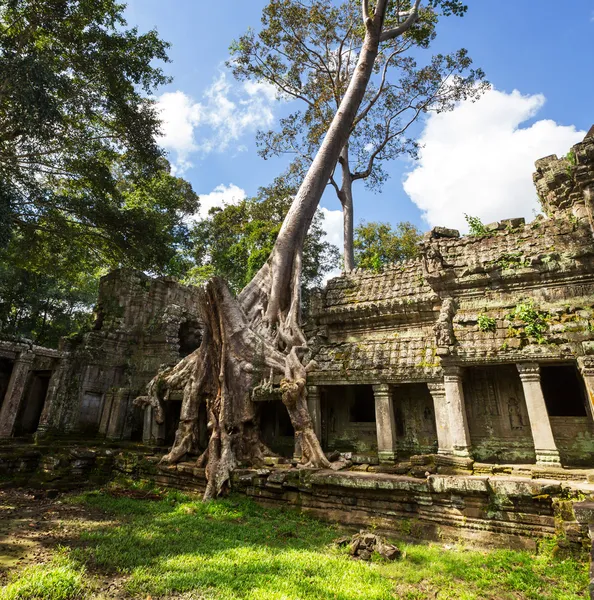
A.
pixel 28 421
pixel 190 337
pixel 276 428
pixel 363 406
pixel 563 391
pixel 5 372
pixel 172 415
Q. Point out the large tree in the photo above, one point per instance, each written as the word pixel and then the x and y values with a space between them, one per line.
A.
pixel 256 338
pixel 49 275
pixel 378 244
pixel 76 119
pixel 307 50
pixel 236 240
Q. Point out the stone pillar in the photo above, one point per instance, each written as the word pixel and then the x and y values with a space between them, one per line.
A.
pixel 50 418
pixel 444 444
pixel 15 393
pixel 152 432
pixel 315 409
pixel 385 423
pixel 542 434
pixel 455 411
pixel 586 364
pixel 119 412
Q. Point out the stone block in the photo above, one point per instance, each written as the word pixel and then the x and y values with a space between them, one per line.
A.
pixel 442 484
pixel 513 223
pixel 518 488
pixel 444 232
pixel 584 512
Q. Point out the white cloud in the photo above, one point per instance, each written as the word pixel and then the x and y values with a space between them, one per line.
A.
pixel 222 195
pixel 225 114
pixel 477 160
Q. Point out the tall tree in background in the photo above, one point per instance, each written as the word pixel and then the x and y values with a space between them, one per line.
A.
pixel 378 245
pixel 236 240
pixel 76 119
pixel 308 49
pixel 83 184
pixel 49 281
pixel 251 340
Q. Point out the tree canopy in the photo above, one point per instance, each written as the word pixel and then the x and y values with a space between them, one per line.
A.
pixel 308 49
pixel 378 244
pixel 76 121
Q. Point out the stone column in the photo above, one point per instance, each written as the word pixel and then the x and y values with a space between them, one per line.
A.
pixel 586 364
pixel 444 443
pixel 152 432
pixel 15 393
pixel 542 434
pixel 455 409
pixel 50 418
pixel 315 409
pixel 119 412
pixel 385 423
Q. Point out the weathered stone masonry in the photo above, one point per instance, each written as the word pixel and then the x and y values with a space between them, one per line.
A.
pixel 482 348
pixel 141 323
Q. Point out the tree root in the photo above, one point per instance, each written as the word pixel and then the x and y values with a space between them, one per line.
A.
pixel 235 355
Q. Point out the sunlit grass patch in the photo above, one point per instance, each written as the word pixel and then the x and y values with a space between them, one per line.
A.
pixel 62 579
pixel 175 546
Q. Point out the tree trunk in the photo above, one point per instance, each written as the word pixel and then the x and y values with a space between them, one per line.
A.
pixel 346 199
pixel 257 337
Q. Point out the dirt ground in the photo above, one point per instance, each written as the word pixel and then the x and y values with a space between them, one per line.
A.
pixel 34 523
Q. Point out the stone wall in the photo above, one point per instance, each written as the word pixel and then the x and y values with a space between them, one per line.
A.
pixel 476 321
pixel 141 323
pixel 502 509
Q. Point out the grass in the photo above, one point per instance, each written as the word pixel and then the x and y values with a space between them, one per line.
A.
pixel 61 579
pixel 234 548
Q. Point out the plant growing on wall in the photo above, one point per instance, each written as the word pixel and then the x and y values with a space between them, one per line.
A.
pixel 533 320
pixel 486 323
pixel 475 226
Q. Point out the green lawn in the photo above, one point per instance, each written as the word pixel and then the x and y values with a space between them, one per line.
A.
pixel 179 547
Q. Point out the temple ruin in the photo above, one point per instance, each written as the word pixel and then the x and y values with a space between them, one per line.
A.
pixel 457 389
pixel 480 350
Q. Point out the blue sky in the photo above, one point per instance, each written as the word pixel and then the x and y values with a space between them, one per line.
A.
pixel 538 54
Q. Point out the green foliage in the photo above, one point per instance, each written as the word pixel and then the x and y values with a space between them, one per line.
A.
pixel 511 260
pixel 476 226
pixel 234 548
pixel 308 51
pixel 61 579
pixel 534 321
pixel 377 244
pixel 235 241
pixel 486 323
pixel 76 120
pixel 49 279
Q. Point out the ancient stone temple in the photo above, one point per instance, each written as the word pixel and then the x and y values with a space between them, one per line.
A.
pixel 479 351
pixel 482 348
pixel 88 387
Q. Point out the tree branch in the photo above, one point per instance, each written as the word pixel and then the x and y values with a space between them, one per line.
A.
pixel 413 15
pixel 375 98
pixel 365 9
